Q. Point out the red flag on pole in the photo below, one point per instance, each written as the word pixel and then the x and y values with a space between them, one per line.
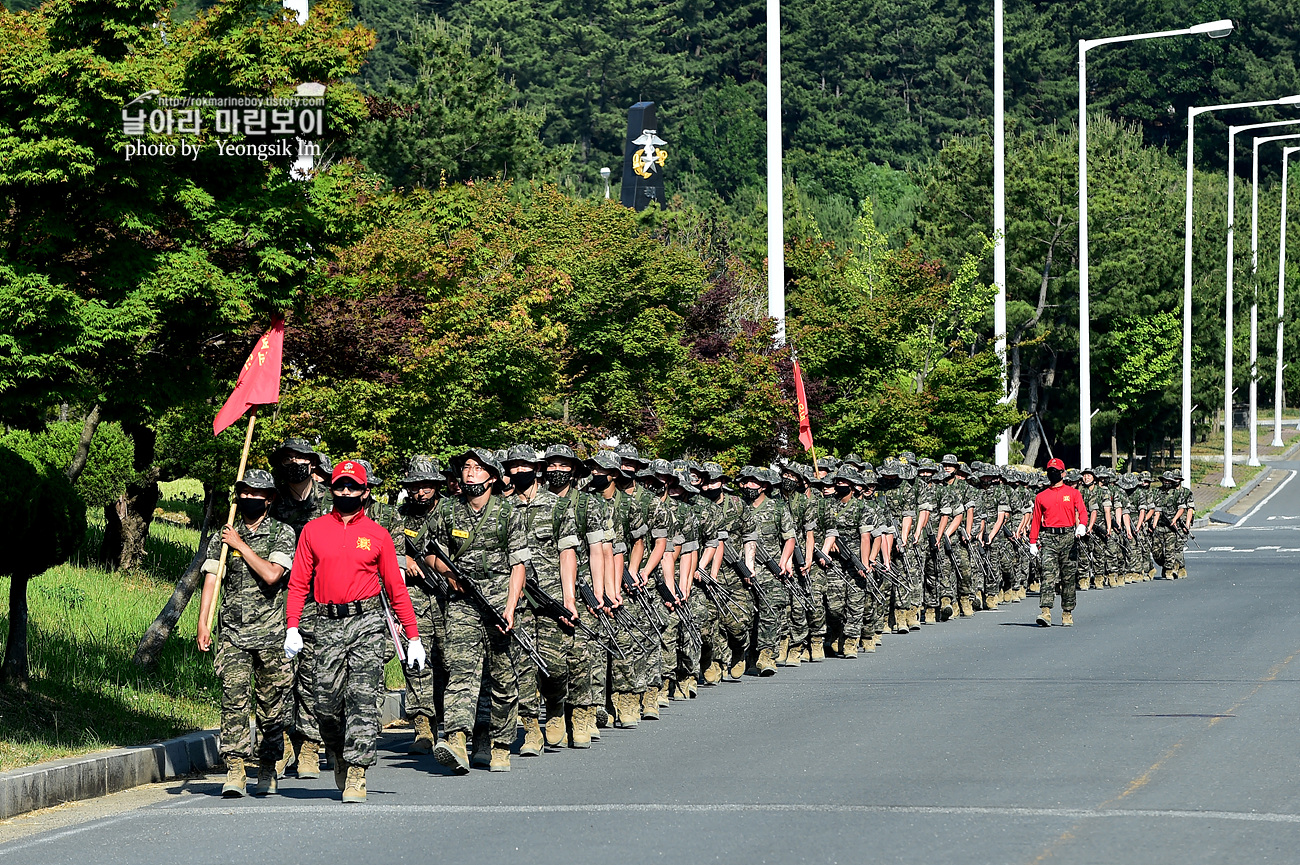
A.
pixel 805 425
pixel 259 380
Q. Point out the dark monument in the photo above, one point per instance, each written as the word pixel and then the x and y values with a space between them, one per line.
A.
pixel 643 159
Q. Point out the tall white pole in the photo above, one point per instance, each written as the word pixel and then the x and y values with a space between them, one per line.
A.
pixel 1254 305
pixel 1227 480
pixel 1002 453
pixel 775 201
pixel 1187 308
pixel 1085 354
pixel 1281 300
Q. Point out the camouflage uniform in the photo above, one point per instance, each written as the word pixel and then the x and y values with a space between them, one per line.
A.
pixel 350 656
pixel 587 658
pixel 769 525
pixel 1058 553
pixel 628 674
pixel 1092 546
pixel 846 597
pixel 899 502
pixel 485 545
pixel 250 645
pixel 1171 537
pixel 801 624
pixel 712 534
pixel 875 615
pixel 735 631
pixel 424 687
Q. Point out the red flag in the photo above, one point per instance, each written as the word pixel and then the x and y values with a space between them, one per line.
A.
pixel 805 425
pixel 259 380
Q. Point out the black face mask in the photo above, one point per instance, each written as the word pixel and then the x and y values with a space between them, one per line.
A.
pixel 1054 475
pixel 559 478
pixel 524 480
pixel 841 492
pixel 348 504
pixel 653 486
pixel 712 495
pixel 599 483
pixel 473 491
pixel 751 494
pixel 251 508
pixel 789 486
pixel 416 506
pixel 295 473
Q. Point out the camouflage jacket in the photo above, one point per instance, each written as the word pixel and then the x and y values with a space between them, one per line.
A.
pixel 252 613
pixel 484 544
pixel 687 536
pixel 549 523
pixel 297 514
pixel 844 522
pixel 770 524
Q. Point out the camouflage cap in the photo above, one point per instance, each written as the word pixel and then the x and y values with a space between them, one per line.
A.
pixel 485 458
pixel 256 479
pixel 869 478
pixel 950 460
pixel 907 457
pixel 1145 476
pixel 606 461
pixel 888 467
pixel 715 472
pixel 754 472
pixel 372 479
pixel 1072 477
pixel 325 461
pixel 853 460
pixel 925 464
pixel 963 469
pixel 848 475
pixel 1175 475
pixel 659 467
pixel 682 479
pixel 298 446
pixel 422 469
pixel 627 453
pixel 521 454
pixel 907 472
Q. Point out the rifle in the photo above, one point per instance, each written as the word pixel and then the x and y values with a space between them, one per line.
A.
pixel 547 605
pixel 980 556
pixel 718 594
pixel 733 561
pixel 670 596
pixel 796 591
pixel 854 566
pixel 602 615
pixel 429 579
pixel 392 624
pixel 638 594
pixel 492 617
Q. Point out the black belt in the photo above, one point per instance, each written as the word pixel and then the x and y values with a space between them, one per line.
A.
pixel 352 608
pixel 1056 530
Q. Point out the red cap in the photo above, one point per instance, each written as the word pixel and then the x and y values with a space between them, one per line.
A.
pixel 356 471
pixel 1051 464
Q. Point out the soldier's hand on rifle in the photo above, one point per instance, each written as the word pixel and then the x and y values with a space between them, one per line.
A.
pixel 454 584
pixel 509 615
pixel 1080 530
pixel 415 654
pixel 292 642
pixel 1033 549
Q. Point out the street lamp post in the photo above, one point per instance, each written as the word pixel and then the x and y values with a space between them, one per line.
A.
pixel 1192 112
pixel 775 201
pixel 1281 296
pixel 1002 452
pixel 1213 29
pixel 1254 276
pixel 604 175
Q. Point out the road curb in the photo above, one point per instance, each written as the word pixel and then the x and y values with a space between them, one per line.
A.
pixel 1220 514
pixel 44 785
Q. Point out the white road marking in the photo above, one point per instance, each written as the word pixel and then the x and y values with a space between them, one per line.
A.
pixel 1276 517
pixel 1219 550
pixel 1266 500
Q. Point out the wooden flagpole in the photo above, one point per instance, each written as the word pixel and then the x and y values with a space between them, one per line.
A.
pixel 230 519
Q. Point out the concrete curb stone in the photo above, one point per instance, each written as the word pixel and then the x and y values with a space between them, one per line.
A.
pixel 44 785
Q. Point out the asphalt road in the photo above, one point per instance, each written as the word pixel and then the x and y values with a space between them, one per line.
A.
pixel 1159 729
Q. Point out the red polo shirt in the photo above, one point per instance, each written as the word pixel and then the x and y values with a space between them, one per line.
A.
pixel 343 562
pixel 1055 507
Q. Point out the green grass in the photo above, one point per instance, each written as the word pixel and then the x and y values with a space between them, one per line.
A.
pixel 182 503
pixel 84 624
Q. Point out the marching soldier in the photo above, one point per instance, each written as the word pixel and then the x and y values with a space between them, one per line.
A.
pixel 1060 519
pixel 250 662
pixel 1173 517
pixel 768 532
pixel 347 563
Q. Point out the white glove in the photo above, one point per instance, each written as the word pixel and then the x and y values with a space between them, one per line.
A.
pixel 1033 549
pixel 415 654
pixel 292 643
pixel 1080 530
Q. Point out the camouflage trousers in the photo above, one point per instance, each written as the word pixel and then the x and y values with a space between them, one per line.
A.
pixel 769 622
pixel 477 659
pixel 837 602
pixel 556 646
pixel 736 630
pixel 816 584
pixel 689 654
pixel 305 725
pixel 668 642
pixel 424 688
pixel 943 572
pixel 587 665
pixel 1059 555
pixel 1002 561
pixel 797 625
pixel 908 593
pixel 1170 544
pixel 254 678
pixel 627 675
pixel 715 642
pixel 349 663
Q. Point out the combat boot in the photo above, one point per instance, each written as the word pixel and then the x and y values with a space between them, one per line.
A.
pixel 1022 593
pixel 713 673
pixel 1034 585
pixel 594 725
pixel 662 694
pixel 236 784
pixel 737 668
pixel 581 730
pixel 309 759
pixel 286 760
pixel 424 738
pixel 1045 617
pixel 354 791
pixel 900 622
pixel 794 657
pixel 450 752
pixel 783 653
pixel 1084 584
pixel 340 772
pixel 533 741
pixel 967 608
pixel 945 609
pixel 1067 619
pixel 650 705
pixel 481 756
pixel 628 707
pixel 931 615
pixel 869 644
pixel 677 690
pixel 500 759
pixel 265 778
pixel 601 720
pixel 915 620
pixel 818 651
pixel 850 649
pixel 991 600
pixel 555 731
pixel 766 663
pixel 692 687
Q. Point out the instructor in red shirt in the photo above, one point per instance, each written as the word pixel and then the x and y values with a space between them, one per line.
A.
pixel 1060 519
pixel 342 558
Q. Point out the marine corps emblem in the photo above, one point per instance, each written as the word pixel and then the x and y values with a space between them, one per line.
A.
pixel 650 154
